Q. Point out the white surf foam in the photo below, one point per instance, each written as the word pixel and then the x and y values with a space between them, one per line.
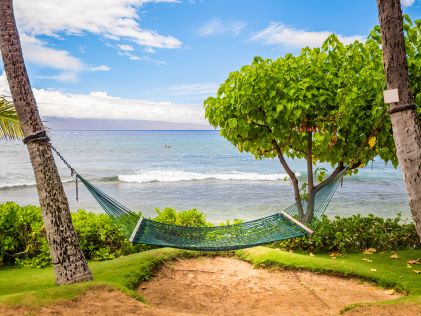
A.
pixel 176 176
pixel 23 184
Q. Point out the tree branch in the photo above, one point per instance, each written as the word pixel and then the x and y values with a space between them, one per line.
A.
pixel 337 171
pixel 261 125
pixel 310 181
pixel 292 176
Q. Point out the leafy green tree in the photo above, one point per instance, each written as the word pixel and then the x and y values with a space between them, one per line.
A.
pixel 324 105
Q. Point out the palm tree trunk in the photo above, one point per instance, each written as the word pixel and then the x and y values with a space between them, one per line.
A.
pixel 405 123
pixel 69 262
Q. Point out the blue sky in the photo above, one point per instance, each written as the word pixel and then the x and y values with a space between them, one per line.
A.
pixel 123 58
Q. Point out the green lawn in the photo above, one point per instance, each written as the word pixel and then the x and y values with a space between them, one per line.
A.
pixel 378 268
pixel 35 287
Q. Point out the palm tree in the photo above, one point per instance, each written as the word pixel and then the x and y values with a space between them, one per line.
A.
pixel 9 121
pixel 405 123
pixel 69 262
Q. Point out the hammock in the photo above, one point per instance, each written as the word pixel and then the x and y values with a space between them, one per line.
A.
pixel 280 226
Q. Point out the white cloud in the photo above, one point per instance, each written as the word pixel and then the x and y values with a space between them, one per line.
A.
pixel 116 19
pixel 407 3
pixel 125 47
pixel 149 50
pixel 62 77
pixel 279 34
pixel 36 51
pixel 194 93
pixel 127 50
pixel 112 19
pixel 217 26
pixel 99 68
pixel 99 105
pixel 142 58
pixel 193 89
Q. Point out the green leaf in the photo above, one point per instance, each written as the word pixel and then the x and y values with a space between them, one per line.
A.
pixel 232 123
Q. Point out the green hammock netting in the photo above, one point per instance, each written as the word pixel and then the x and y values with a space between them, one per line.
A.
pixel 280 226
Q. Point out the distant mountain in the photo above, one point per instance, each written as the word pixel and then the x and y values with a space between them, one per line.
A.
pixel 59 123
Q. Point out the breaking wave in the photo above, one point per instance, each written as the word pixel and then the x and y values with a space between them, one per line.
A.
pixel 176 176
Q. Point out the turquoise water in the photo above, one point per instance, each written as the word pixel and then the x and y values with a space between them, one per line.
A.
pixel 185 169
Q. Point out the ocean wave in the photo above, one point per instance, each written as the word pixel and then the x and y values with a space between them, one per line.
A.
pixel 176 176
pixel 16 185
pixel 21 185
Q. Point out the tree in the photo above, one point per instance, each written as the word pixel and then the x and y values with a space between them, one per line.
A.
pixel 324 105
pixel 403 114
pixel 9 121
pixel 69 262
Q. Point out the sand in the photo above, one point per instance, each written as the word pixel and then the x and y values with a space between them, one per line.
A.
pixel 228 286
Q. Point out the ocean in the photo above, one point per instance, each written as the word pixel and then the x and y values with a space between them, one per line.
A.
pixel 145 170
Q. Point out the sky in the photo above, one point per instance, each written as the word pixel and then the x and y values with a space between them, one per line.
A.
pixel 158 60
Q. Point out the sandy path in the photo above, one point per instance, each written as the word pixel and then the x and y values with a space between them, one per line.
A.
pixel 228 286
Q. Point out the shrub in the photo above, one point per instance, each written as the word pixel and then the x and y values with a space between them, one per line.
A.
pixel 21 232
pixel 23 240
pixel 235 221
pixel 99 235
pixel 184 218
pixel 357 232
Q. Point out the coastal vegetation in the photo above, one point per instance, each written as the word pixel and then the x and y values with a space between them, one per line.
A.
pixel 324 105
pixel 23 241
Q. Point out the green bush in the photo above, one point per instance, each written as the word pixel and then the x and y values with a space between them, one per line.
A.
pixel 99 235
pixel 22 232
pixel 23 240
pixel 344 234
pixel 184 218
pixel 235 221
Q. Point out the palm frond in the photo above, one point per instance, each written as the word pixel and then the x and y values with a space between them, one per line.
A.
pixel 9 122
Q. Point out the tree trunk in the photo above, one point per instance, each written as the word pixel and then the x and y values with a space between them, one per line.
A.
pixel 310 181
pixel 405 123
pixel 293 178
pixel 69 262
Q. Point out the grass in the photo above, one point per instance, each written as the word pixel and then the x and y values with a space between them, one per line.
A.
pixel 378 268
pixel 35 287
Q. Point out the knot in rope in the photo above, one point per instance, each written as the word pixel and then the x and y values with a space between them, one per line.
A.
pixel 40 136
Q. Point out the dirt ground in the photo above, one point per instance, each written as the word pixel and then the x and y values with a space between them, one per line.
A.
pixel 228 286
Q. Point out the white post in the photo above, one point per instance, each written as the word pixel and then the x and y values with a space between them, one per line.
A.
pixel 136 229
pixel 292 219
